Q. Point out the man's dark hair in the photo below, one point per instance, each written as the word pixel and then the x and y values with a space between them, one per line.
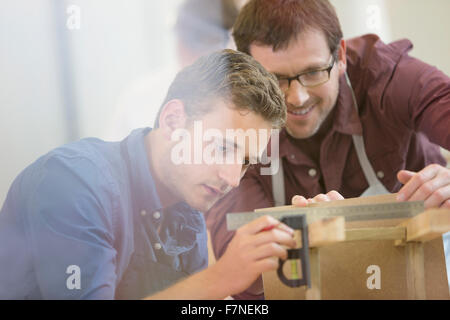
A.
pixel 234 77
pixel 276 22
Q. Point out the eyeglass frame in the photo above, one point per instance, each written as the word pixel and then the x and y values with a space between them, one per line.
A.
pixel 297 77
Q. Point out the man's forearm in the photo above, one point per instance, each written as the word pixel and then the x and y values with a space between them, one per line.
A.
pixel 203 285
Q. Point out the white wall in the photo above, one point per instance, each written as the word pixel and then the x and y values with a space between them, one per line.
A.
pixel 118 41
pixel 363 16
pixel 425 23
pixel 31 118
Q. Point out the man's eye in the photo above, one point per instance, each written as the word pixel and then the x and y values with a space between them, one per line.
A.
pixel 315 75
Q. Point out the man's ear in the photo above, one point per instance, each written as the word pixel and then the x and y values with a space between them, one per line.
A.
pixel 172 117
pixel 342 57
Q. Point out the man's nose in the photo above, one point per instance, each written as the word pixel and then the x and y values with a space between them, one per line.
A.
pixel 297 94
pixel 231 174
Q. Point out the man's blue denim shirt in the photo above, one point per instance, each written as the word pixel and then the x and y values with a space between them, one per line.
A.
pixel 91 206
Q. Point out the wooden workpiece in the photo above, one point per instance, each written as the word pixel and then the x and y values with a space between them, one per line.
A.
pixel 415 271
pixel 339 269
pixel 326 232
pixel 387 233
pixel 428 225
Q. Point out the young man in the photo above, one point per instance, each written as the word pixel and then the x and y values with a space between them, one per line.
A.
pixel 102 220
pixel 363 117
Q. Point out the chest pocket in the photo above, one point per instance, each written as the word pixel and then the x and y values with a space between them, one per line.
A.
pixel 181 249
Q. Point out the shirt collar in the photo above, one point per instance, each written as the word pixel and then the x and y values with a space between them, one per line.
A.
pixel 143 189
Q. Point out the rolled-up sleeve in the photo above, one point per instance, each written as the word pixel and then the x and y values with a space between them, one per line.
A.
pixel 68 220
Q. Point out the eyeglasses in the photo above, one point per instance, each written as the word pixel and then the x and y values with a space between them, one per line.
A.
pixel 308 79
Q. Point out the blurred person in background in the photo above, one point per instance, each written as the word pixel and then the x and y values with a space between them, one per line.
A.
pixel 202 27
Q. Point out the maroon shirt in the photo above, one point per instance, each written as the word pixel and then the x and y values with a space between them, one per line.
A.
pixel 404 114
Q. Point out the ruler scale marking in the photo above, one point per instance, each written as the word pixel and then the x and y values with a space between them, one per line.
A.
pixel 394 210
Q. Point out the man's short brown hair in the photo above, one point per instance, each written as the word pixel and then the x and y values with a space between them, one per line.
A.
pixel 232 76
pixel 276 22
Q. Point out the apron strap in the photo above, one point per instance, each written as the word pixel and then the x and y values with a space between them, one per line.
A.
pixel 367 168
pixel 358 142
pixel 278 192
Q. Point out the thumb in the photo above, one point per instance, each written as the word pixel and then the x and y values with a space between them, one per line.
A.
pixel 404 176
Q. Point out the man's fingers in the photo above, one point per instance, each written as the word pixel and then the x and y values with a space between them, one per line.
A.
pixel 417 181
pixel 431 185
pixel 429 188
pixel 270 249
pixel 404 176
pixel 274 235
pixel 321 198
pixel 267 264
pixel 334 195
pixel 438 198
pixel 299 201
pixel 446 204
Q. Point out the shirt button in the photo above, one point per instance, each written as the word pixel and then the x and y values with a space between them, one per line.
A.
pixel 292 156
pixel 380 174
pixel 312 172
pixel 157 246
pixel 156 215
pixel 143 213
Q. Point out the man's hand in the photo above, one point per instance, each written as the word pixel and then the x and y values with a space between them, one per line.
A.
pixel 254 249
pixel 301 201
pixel 431 184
